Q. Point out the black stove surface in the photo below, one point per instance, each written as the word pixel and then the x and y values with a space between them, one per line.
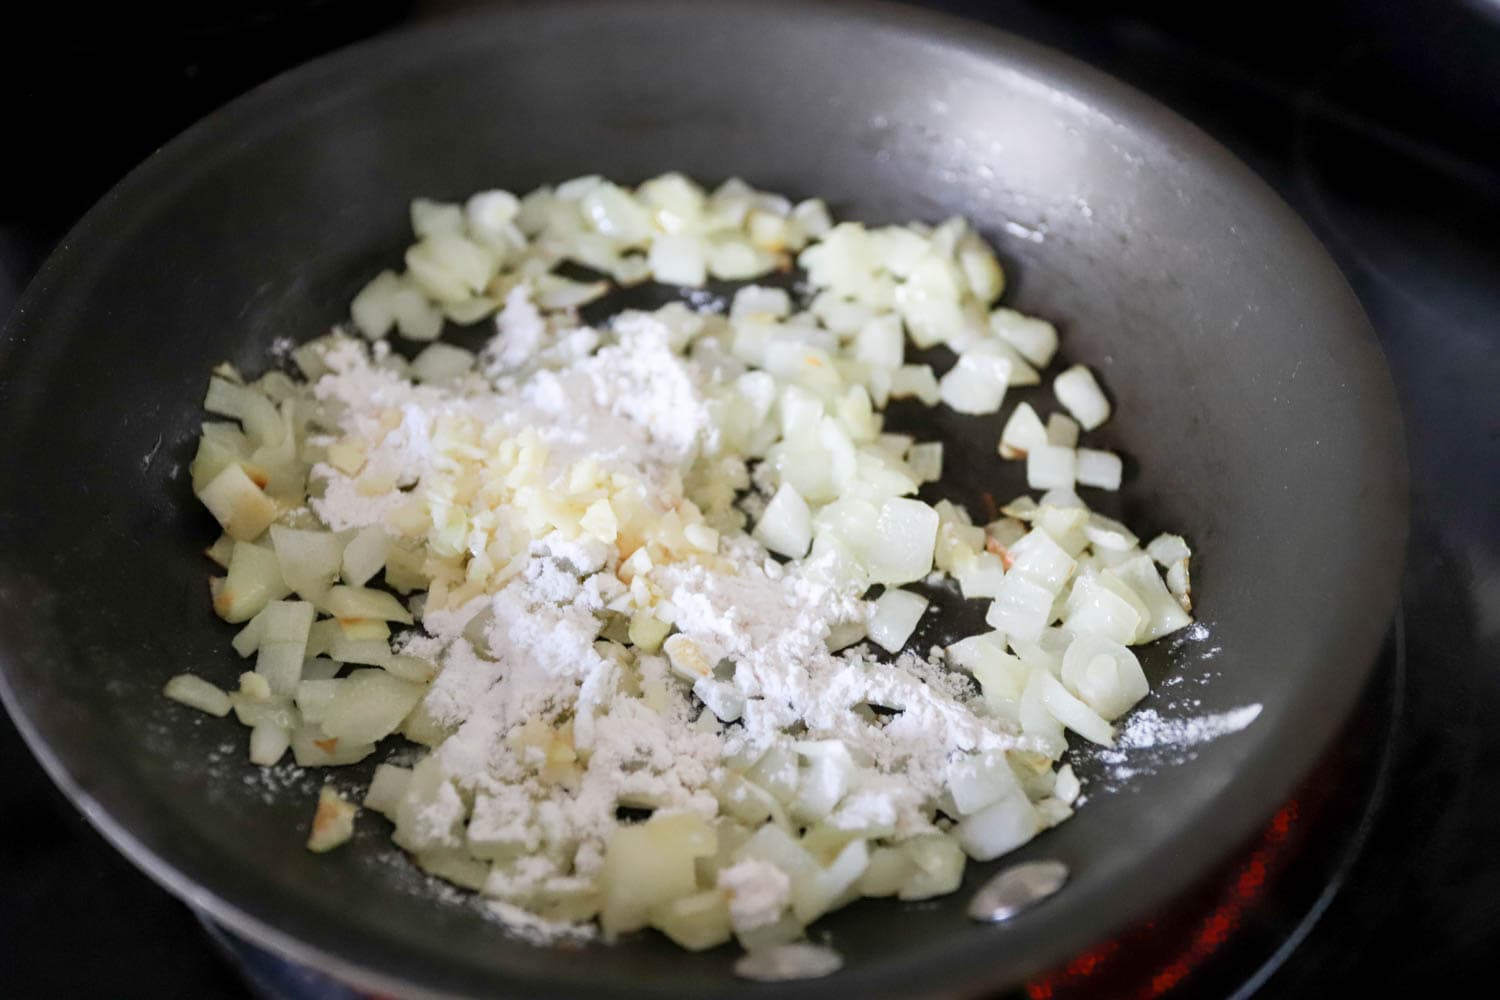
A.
pixel 1379 122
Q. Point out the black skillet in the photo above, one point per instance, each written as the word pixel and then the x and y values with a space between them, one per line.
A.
pixel 1251 396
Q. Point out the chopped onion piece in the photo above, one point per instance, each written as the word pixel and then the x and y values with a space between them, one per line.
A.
pixel 696 922
pixel 314 696
pixel 429 218
pixel 1077 390
pixel 309 560
pixel 416 317
pixel 1034 339
pixel 1067 785
pixel 926 461
pixel 1022 608
pixel 1100 469
pixel 981 270
pixel 999 827
pixel 940 866
pixel 449 267
pixel 333 823
pixel 982 577
pixel 254 578
pixel 374 308
pixel 615 213
pixel 811 898
pixel 349 603
pixel 1179 584
pixel 441 362
pixel 895 618
pixel 918 381
pixel 1050 467
pixel 1073 713
pixel 1168 549
pixel 1104 674
pixel 387 788
pixel 760 301
pixel 1037 723
pixel 1039 558
pixel 1166 615
pixel 195 692
pixel 881 343
pixel 901 546
pixel 976 385
pixel 979 780
pixel 1023 432
pixel 1001 676
pixel 365 555
pixel 826 774
pixel 491 214
pixel 812 215
pixel 268 743
pixel 1107 533
pixel 679 260
pixel 368 706
pixel 786 526
pixel 676 202
pixel 1093 608
pixel 239 504
pixel 1062 431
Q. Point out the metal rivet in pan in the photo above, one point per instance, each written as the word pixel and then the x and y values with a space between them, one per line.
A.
pixel 1017 888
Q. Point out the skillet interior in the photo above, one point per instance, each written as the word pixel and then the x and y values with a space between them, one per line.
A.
pixel 1252 398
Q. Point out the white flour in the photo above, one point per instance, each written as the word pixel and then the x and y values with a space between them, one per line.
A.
pixel 1148 728
pixel 758 891
pixel 529 927
pixel 634 406
pixel 542 741
pixel 538 695
pixel 1151 741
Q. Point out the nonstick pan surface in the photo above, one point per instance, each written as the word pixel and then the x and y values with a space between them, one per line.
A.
pixel 1251 397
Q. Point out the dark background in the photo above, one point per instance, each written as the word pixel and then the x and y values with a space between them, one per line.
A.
pixel 1379 121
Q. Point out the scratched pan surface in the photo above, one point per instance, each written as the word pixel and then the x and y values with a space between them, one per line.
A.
pixel 1254 405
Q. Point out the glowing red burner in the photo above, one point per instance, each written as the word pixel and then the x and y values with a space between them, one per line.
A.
pixel 1108 969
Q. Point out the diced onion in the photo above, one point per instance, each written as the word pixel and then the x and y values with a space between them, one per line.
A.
pixel 926 461
pixel 268 743
pixel 441 362
pixel 1021 609
pixel 1168 549
pixel 430 218
pixel 918 381
pixel 1073 713
pixel 786 526
pixel 678 260
pixel 998 828
pixel 1050 467
pixel 1104 675
pixel 1062 430
pixel 901 546
pixel 238 504
pixel 1023 432
pixel 1034 339
pixel 895 618
pixel 195 692
pixel 1077 390
pixel 976 385
pixel 333 823
pixel 1101 469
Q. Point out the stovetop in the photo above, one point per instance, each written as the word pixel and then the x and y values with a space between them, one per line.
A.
pixel 1379 122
